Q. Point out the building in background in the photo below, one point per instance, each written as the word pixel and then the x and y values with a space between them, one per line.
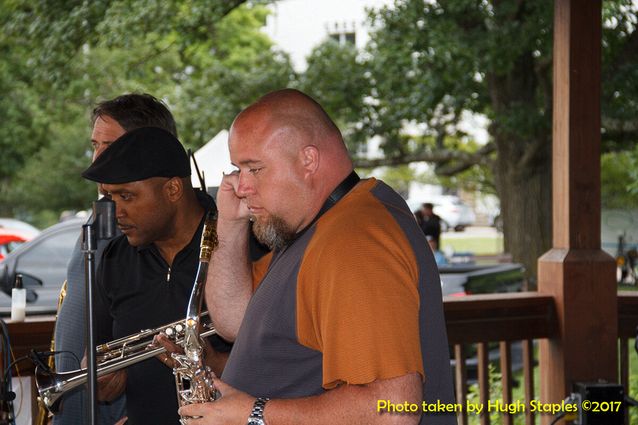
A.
pixel 297 26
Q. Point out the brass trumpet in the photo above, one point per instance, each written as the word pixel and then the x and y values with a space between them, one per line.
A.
pixel 112 356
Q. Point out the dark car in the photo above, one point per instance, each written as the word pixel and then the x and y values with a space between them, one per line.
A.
pixel 466 279
pixel 42 261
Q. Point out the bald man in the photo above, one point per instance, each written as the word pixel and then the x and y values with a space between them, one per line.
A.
pixel 346 310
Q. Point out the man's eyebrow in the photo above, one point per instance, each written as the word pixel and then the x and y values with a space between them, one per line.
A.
pixel 118 190
pixel 249 162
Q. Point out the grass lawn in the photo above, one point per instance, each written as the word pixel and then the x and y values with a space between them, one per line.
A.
pixel 475 243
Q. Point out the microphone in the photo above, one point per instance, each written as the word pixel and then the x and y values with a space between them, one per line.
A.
pixel 104 213
pixel 34 356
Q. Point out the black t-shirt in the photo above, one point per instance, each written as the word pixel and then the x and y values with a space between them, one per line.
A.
pixel 135 291
pixel 431 226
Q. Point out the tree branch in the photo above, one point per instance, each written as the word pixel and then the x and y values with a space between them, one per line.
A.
pixel 462 160
pixel 456 166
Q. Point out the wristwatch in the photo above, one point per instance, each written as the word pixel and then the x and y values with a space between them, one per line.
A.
pixel 257 415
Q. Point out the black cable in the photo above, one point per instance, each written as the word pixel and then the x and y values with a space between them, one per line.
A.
pixel 7 389
pixel 7 371
pixel 631 401
pixel 75 357
pixel 558 418
pixel 36 357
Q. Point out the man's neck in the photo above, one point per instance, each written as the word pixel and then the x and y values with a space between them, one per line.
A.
pixel 186 222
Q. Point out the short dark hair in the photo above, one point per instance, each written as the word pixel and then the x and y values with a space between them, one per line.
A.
pixel 136 110
pixel 428 205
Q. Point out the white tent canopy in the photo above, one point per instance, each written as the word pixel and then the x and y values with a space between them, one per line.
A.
pixel 213 159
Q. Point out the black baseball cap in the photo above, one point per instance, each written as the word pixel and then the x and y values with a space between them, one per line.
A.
pixel 139 155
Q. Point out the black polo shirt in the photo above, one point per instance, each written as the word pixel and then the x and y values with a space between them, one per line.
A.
pixel 136 291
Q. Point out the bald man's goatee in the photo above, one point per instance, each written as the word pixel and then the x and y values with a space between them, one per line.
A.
pixel 273 232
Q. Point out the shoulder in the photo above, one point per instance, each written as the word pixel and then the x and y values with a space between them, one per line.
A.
pixel 373 213
pixel 364 236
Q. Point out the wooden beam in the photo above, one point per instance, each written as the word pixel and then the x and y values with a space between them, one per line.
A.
pixel 576 272
pixel 499 317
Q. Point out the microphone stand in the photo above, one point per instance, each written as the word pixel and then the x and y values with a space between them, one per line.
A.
pixel 101 225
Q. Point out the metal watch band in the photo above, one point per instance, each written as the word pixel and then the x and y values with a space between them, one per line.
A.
pixel 258 410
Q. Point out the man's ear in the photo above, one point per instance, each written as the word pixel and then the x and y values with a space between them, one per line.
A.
pixel 174 189
pixel 310 158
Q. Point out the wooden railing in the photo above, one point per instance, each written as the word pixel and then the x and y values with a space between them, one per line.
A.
pixel 627 324
pixel 501 318
pixel 508 318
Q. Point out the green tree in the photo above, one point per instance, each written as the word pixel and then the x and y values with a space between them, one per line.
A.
pixel 430 62
pixel 206 60
pixel 336 76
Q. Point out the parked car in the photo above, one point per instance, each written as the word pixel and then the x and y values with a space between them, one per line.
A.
pixel 14 224
pixel 42 261
pixel 466 279
pixel 454 213
pixel 11 239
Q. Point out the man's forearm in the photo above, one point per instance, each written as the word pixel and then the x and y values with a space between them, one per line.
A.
pixel 349 404
pixel 229 282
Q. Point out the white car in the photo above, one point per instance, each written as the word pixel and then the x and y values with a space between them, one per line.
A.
pixel 454 213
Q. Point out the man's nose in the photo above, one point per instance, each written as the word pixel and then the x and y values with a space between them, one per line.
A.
pixel 119 210
pixel 245 186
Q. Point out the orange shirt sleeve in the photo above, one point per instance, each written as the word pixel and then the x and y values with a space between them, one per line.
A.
pixel 260 267
pixel 357 299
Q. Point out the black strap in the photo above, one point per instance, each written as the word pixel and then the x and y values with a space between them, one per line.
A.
pixel 340 191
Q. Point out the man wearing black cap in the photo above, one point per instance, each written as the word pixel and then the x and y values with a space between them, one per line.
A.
pixel 146 275
pixel 109 119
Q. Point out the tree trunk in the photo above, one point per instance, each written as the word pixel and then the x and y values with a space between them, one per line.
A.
pixel 525 187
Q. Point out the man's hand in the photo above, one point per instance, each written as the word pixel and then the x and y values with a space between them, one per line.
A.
pixel 233 408
pixel 111 386
pixel 214 359
pixel 162 340
pixel 345 404
pixel 230 205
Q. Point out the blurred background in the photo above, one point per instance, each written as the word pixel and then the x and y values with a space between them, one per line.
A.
pixel 449 102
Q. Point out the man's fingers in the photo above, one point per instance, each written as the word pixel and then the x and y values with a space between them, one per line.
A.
pixel 162 340
pixel 167 359
pixel 112 385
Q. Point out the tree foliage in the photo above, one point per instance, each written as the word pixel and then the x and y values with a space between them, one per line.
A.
pixel 430 62
pixel 206 60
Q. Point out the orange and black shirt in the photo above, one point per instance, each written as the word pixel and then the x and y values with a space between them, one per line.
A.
pixel 354 299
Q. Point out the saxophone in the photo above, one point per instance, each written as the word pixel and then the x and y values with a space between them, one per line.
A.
pixel 43 413
pixel 193 379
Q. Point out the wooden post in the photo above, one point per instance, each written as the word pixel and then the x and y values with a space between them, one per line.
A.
pixel 576 272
